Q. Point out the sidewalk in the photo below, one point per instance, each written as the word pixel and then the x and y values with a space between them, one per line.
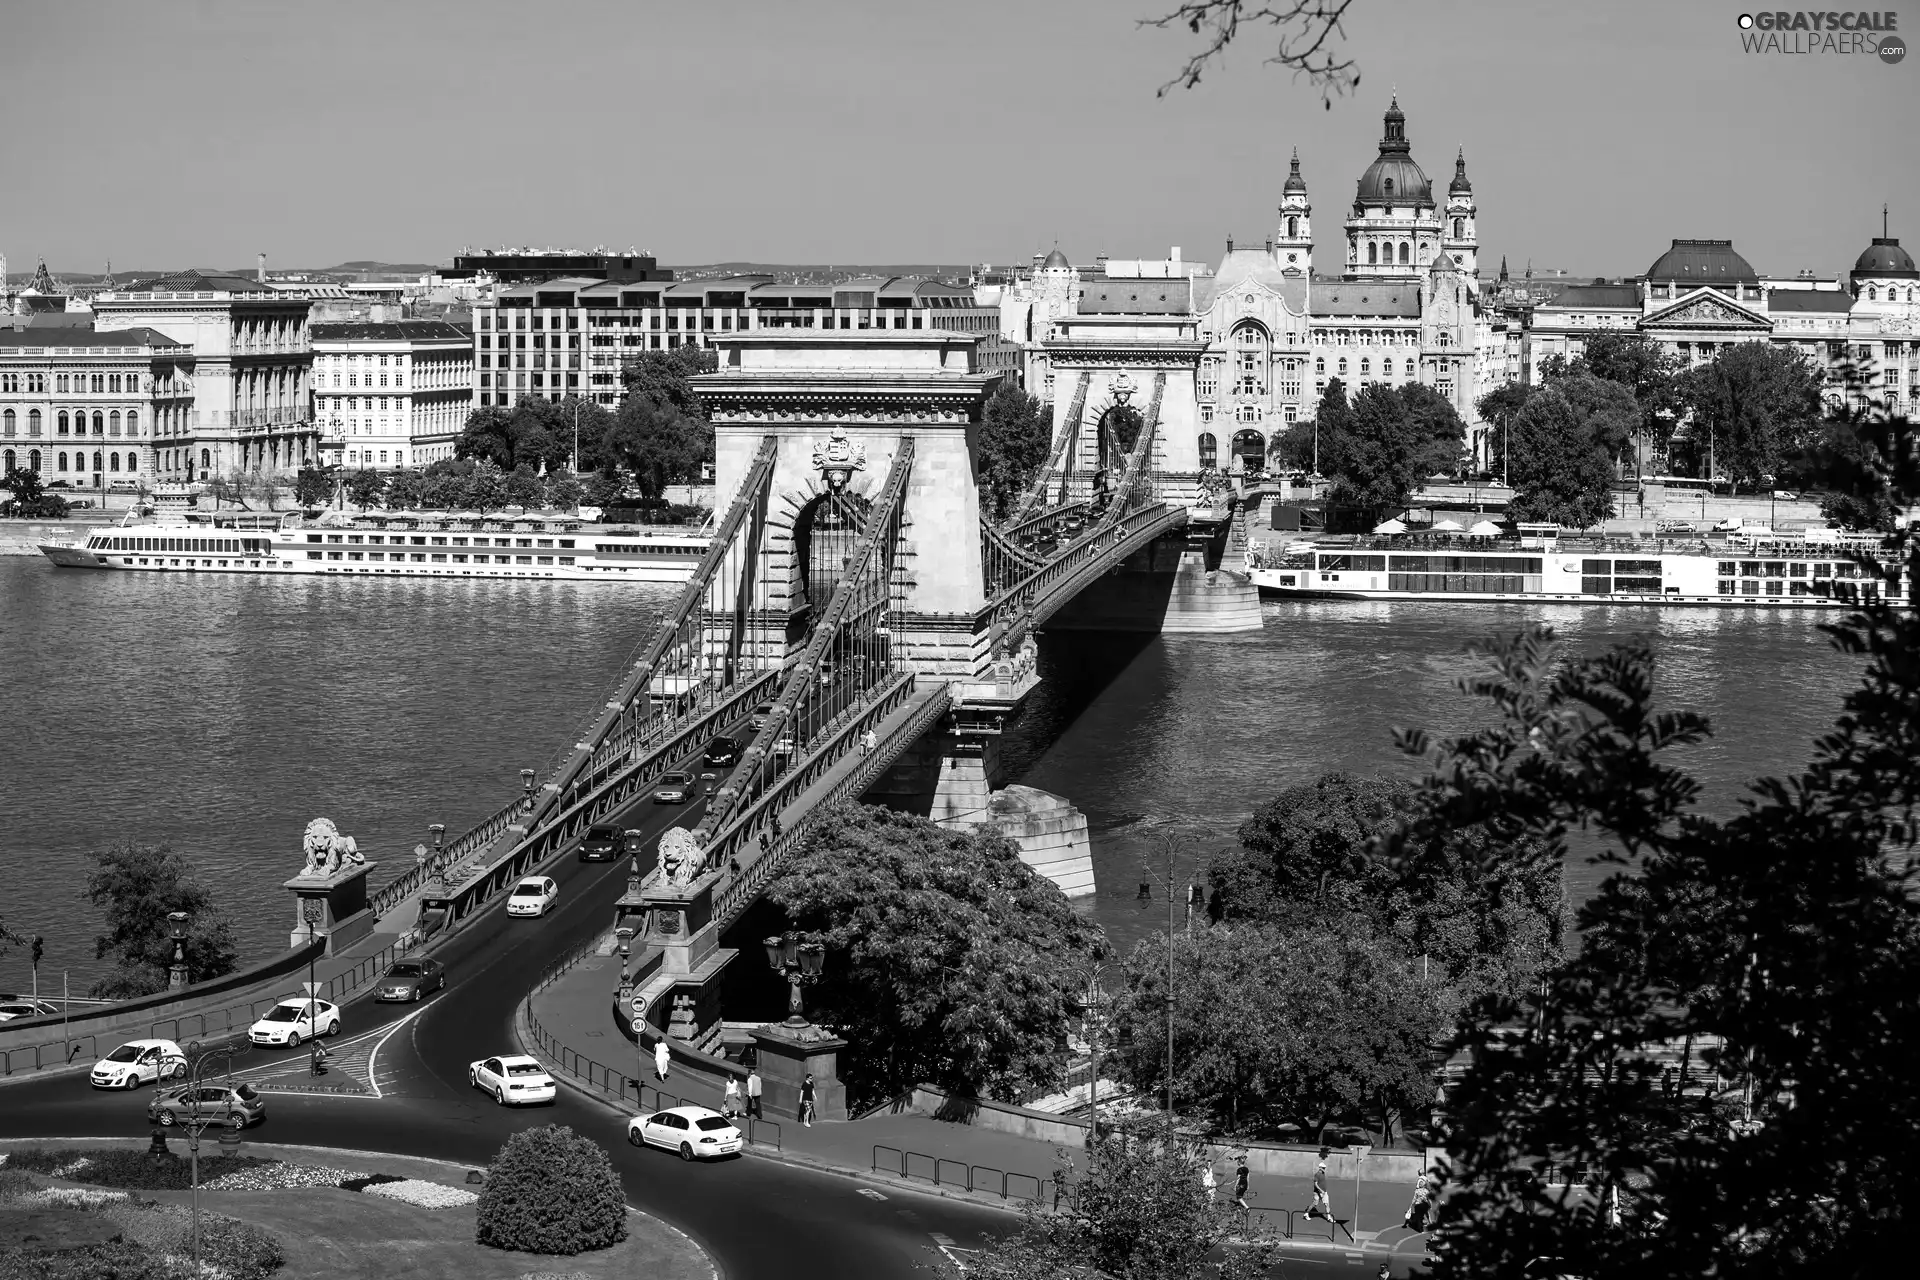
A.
pixel 934 1155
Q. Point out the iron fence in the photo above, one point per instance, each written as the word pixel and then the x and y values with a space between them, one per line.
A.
pixel 945 1171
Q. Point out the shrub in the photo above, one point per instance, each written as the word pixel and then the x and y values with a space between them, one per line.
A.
pixel 117 1261
pixel 128 1168
pixel 551 1191
pixel 14 1182
pixel 242 1250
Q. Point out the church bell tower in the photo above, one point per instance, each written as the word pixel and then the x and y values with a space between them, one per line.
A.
pixel 1293 242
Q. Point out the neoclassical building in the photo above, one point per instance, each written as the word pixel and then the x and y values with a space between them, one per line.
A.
pixel 1267 334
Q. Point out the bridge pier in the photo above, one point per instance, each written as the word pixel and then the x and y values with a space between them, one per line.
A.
pixel 1176 585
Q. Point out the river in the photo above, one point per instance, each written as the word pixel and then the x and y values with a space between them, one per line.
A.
pixel 219 714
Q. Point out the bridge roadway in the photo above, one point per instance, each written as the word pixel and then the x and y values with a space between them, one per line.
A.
pixel 757 1217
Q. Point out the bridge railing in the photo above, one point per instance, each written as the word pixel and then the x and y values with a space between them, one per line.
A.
pixel 754 848
pixel 849 652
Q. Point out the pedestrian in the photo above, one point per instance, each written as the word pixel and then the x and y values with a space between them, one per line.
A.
pixel 730 1100
pixel 1240 1176
pixel 1322 1204
pixel 1416 1219
pixel 661 1058
pixel 1208 1182
pixel 869 741
pixel 806 1101
pixel 753 1093
pixel 320 1056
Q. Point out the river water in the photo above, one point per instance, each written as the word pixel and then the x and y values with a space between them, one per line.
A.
pixel 219 714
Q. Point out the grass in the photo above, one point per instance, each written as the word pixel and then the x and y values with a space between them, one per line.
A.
pixel 332 1234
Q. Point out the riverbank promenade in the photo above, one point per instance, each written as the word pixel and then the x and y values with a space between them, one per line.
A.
pixel 580 1043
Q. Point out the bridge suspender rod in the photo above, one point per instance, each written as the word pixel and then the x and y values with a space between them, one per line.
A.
pixel 864 591
pixel 1069 428
pixel 669 632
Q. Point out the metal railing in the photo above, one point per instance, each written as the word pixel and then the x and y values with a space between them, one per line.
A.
pixel 941 1171
pixel 610 1083
pixel 1069 429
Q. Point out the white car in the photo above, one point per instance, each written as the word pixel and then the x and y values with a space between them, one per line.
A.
pixel 139 1062
pixel 532 896
pixel 512 1078
pixel 697 1133
pixel 291 1021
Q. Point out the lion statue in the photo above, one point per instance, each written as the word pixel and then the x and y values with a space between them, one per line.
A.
pixel 327 850
pixel 680 856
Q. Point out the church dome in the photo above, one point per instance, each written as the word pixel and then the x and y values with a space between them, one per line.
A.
pixel 1702 262
pixel 1056 260
pixel 1393 177
pixel 1294 181
pixel 1885 257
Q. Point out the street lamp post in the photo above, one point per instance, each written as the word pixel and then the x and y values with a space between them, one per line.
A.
pixel 799 963
pixel 1090 982
pixel 313 909
pixel 439 830
pixel 177 929
pixel 526 785
pixel 195 1123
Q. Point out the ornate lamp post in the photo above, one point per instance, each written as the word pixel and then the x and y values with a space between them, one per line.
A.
pixel 625 934
pixel 196 1122
pixel 312 910
pixel 1089 977
pixel 800 964
pixel 439 830
pixel 526 785
pixel 177 929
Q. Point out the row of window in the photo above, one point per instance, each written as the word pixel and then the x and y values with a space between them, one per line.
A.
pixel 1774 587
pixel 191 546
pixel 114 461
pixel 418 540
pixel 432 557
pixel 1788 569
pixel 71 384
pixel 104 424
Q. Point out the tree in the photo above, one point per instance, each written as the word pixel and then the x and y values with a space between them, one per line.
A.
pixel 1309 31
pixel 1497 408
pixel 136 886
pixel 947 957
pixel 534 433
pixel 313 486
pixel 1645 367
pixel 1140 1211
pixel 487 488
pixel 662 376
pixel 1757 406
pixel 1016 434
pixel 1849 458
pixel 406 490
pixel 605 488
pixel 364 487
pixel 447 484
pixel 551 1191
pixel 1781 938
pixel 30 498
pixel 230 488
pixel 1339 1024
pixel 563 491
pixel 1607 409
pixel 1389 442
pixel 1560 473
pixel 263 487
pixel 523 487
pixel 487 436
pixel 659 443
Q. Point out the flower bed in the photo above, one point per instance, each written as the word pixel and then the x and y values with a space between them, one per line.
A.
pixel 279 1177
pixel 427 1195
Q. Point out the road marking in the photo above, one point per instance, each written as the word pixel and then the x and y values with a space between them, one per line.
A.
pixel 871 1194
pixel 373 1057
pixel 951 1251
pixel 286 1075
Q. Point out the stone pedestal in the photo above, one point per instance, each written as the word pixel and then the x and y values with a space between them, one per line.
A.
pixel 344 916
pixel 677 956
pixel 787 1056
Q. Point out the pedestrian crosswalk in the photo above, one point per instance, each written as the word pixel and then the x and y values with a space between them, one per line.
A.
pixel 352 1069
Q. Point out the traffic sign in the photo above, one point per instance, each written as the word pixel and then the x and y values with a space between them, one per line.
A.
pixel 639 1024
pixel 639 1004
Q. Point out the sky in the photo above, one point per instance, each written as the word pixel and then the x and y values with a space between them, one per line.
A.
pixel 165 135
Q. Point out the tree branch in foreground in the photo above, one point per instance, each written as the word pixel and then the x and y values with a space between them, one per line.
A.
pixel 1307 29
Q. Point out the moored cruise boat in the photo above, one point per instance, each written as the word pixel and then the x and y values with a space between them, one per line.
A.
pixel 1770 572
pixel 392 544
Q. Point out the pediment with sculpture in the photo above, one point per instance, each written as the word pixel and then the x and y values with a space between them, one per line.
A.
pixel 1698 312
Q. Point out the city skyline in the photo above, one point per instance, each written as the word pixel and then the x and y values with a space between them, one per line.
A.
pixel 412 131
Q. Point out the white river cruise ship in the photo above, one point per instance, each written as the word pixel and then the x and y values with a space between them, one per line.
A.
pixel 1763 571
pixel 407 544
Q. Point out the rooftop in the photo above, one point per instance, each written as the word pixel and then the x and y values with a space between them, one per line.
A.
pixel 139 336
pixel 1702 262
pixel 1375 299
pixel 198 280
pixel 1580 297
pixel 1130 295
pixel 390 331
pixel 1803 300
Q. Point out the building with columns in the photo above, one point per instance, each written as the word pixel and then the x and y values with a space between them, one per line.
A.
pixel 393 394
pixel 88 407
pixel 252 363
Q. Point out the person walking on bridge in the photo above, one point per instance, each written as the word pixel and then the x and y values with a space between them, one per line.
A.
pixel 753 1094
pixel 868 742
pixel 730 1100
pixel 661 1057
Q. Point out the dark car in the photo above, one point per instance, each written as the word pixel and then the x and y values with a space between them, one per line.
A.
pixel 209 1101
pixel 601 843
pixel 411 979
pixel 676 788
pixel 721 752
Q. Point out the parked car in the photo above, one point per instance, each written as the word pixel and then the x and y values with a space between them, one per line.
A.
pixel 601 843
pixel 1729 525
pixel 208 1101
pixel 676 788
pixel 139 1062
pixel 512 1078
pixel 294 1020
pixel 532 896
pixel 697 1133
pixel 1786 495
pixel 1677 526
pixel 411 979
pixel 26 1007
pixel 721 752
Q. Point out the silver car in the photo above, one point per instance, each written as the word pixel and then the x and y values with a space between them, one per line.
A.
pixel 217 1102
